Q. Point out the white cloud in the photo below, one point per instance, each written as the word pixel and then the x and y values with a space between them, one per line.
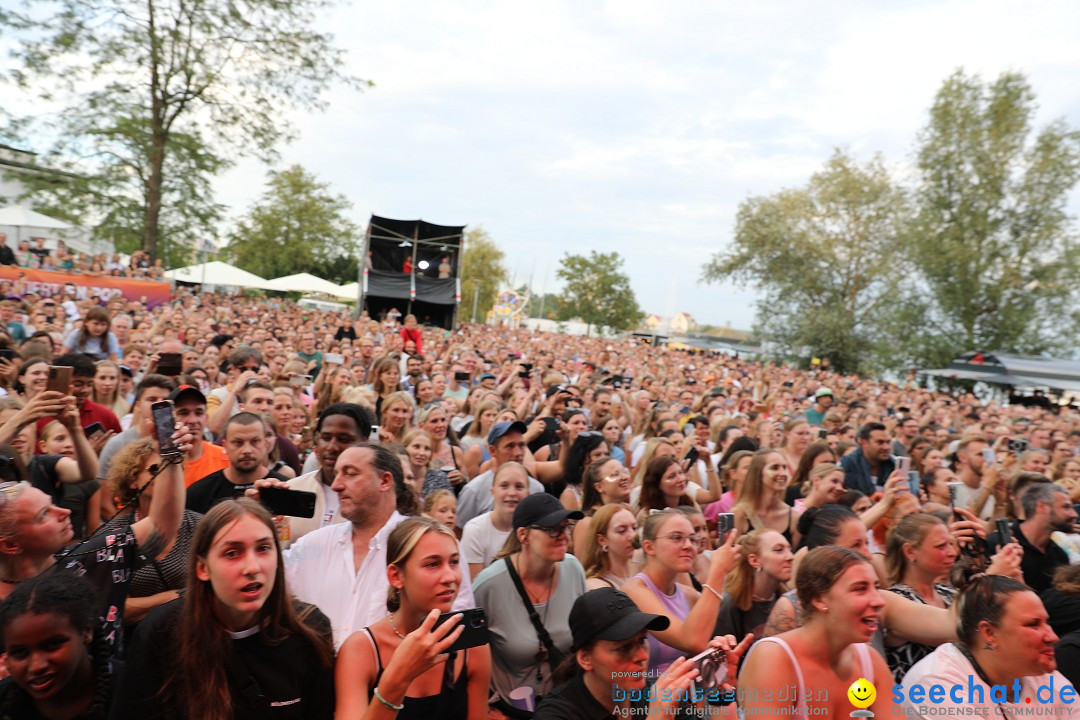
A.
pixel 639 125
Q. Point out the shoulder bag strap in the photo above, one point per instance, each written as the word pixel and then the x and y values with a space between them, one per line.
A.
pixel 555 655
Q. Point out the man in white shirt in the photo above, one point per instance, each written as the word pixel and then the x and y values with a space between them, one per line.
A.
pixel 342 568
pixel 506 443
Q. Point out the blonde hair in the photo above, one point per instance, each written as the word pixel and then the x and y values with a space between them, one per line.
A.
pixel 740 582
pixel 432 499
pixel 593 558
pixel 650 450
pixel 911 530
pixel 412 435
pixel 819 471
pixel 402 541
pixel 399 398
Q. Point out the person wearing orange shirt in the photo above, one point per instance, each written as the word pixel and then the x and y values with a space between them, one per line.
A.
pixel 189 407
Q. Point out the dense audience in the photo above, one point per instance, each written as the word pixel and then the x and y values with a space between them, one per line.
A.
pixel 373 518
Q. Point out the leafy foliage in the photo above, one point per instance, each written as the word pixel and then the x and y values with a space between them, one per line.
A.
pixel 597 291
pixel 826 256
pixel 157 96
pixel 992 239
pixel 297 226
pixel 483 269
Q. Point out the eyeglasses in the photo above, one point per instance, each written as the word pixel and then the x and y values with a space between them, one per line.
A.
pixel 554 532
pixel 617 475
pixel 680 538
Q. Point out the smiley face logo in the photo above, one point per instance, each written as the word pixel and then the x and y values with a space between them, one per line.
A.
pixel 861 693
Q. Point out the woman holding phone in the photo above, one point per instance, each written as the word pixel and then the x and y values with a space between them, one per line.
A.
pixel 400 667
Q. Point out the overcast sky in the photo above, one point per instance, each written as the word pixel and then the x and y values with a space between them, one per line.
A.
pixel 572 125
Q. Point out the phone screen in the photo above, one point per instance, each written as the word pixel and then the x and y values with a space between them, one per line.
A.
pixel 164 426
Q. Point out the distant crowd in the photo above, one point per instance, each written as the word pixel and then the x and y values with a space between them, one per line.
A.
pixel 229 507
pixel 34 255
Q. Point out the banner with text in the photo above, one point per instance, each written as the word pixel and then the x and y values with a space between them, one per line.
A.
pixel 56 284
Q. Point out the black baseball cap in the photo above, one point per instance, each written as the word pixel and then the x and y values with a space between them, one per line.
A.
pixel 542 510
pixel 500 429
pixel 609 614
pixel 187 391
pixel 555 389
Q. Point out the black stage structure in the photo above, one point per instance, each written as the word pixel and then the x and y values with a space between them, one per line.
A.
pixel 393 277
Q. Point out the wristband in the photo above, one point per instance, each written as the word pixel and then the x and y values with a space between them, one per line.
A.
pixel 389 705
pixel 713 591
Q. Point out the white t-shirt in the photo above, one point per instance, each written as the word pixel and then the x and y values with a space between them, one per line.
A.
pixel 964 496
pixel 481 540
pixel 948 667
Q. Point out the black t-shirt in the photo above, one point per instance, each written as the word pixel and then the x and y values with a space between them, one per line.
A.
pixel 204 494
pixel 548 437
pixel 16 704
pixel 1063 609
pixel 733 621
pixel 7 256
pixel 107 561
pixel 295 685
pixel 573 701
pixel 344 332
pixel 1067 654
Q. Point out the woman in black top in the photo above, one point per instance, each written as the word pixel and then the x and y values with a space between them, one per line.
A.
pixel 235 646
pixel 398 667
pixel 59 664
pixel 157 581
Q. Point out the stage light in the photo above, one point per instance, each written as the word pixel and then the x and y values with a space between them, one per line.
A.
pixel 423 264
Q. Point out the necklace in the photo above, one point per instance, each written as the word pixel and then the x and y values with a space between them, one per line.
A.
pixel 755 598
pixel 536 598
pixel 394 627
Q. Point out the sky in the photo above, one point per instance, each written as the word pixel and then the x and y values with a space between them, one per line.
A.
pixel 565 126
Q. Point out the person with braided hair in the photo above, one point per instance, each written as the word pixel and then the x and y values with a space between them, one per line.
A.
pixel 58 661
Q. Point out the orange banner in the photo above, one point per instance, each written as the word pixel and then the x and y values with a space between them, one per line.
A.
pixel 19 281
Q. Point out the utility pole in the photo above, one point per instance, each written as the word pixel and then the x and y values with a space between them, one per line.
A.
pixel 475 300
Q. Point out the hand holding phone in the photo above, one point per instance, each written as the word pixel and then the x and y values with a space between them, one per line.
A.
pixel 475 634
pixel 164 427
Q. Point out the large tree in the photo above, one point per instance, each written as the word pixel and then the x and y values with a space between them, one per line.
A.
pixel 826 258
pixel 297 226
pixel 155 96
pixel 993 240
pixel 596 290
pixel 483 274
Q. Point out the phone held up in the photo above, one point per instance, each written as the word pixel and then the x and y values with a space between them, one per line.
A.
pixel 164 427
pixel 59 379
pixel 475 623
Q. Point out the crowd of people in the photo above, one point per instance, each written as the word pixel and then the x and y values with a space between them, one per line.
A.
pixel 33 254
pixel 361 518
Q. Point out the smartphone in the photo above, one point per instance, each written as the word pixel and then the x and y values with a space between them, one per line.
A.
pixel 954 489
pixel 7 353
pixel 712 668
pixel 1016 445
pixel 461 377
pixel 169 364
pixel 903 464
pixel 334 358
pixel 1004 531
pixel 373 436
pixel 725 523
pixel 692 456
pixel 299 380
pixel 164 426
pixel 474 620
pixel 93 430
pixel 294 503
pixel 822 433
pixel 59 379
pixel 989 456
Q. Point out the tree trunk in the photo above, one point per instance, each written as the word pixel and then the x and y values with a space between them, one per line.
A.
pixel 158 135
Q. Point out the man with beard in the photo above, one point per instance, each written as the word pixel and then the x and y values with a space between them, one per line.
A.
pixel 247 449
pixel 1048 509
pixel 342 568
pixel 414 373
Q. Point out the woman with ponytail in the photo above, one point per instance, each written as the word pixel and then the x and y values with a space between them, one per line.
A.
pixel 59 666
pixel 235 644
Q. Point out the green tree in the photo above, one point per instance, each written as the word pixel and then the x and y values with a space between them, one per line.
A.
pixel 827 260
pixel 482 274
pixel 296 226
pixel 992 238
pixel 596 290
pixel 158 95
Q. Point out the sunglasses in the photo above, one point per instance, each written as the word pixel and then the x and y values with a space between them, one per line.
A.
pixel 554 532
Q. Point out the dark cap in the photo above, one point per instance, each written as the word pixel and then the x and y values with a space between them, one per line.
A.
pixel 487 376
pixel 555 389
pixel 187 391
pixel 609 614
pixel 542 510
pixel 125 370
pixel 500 429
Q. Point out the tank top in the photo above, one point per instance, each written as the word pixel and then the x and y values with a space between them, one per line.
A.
pixel 452 702
pixel 865 663
pixel 675 605
pixel 787 530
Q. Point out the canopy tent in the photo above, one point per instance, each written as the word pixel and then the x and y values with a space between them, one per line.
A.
pixel 308 283
pixel 1022 371
pixel 20 216
pixel 218 273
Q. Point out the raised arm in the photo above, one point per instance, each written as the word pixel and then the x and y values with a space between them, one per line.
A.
pixel 156 531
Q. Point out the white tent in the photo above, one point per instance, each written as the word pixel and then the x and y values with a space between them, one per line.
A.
pixel 350 290
pixel 307 283
pixel 20 216
pixel 218 273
